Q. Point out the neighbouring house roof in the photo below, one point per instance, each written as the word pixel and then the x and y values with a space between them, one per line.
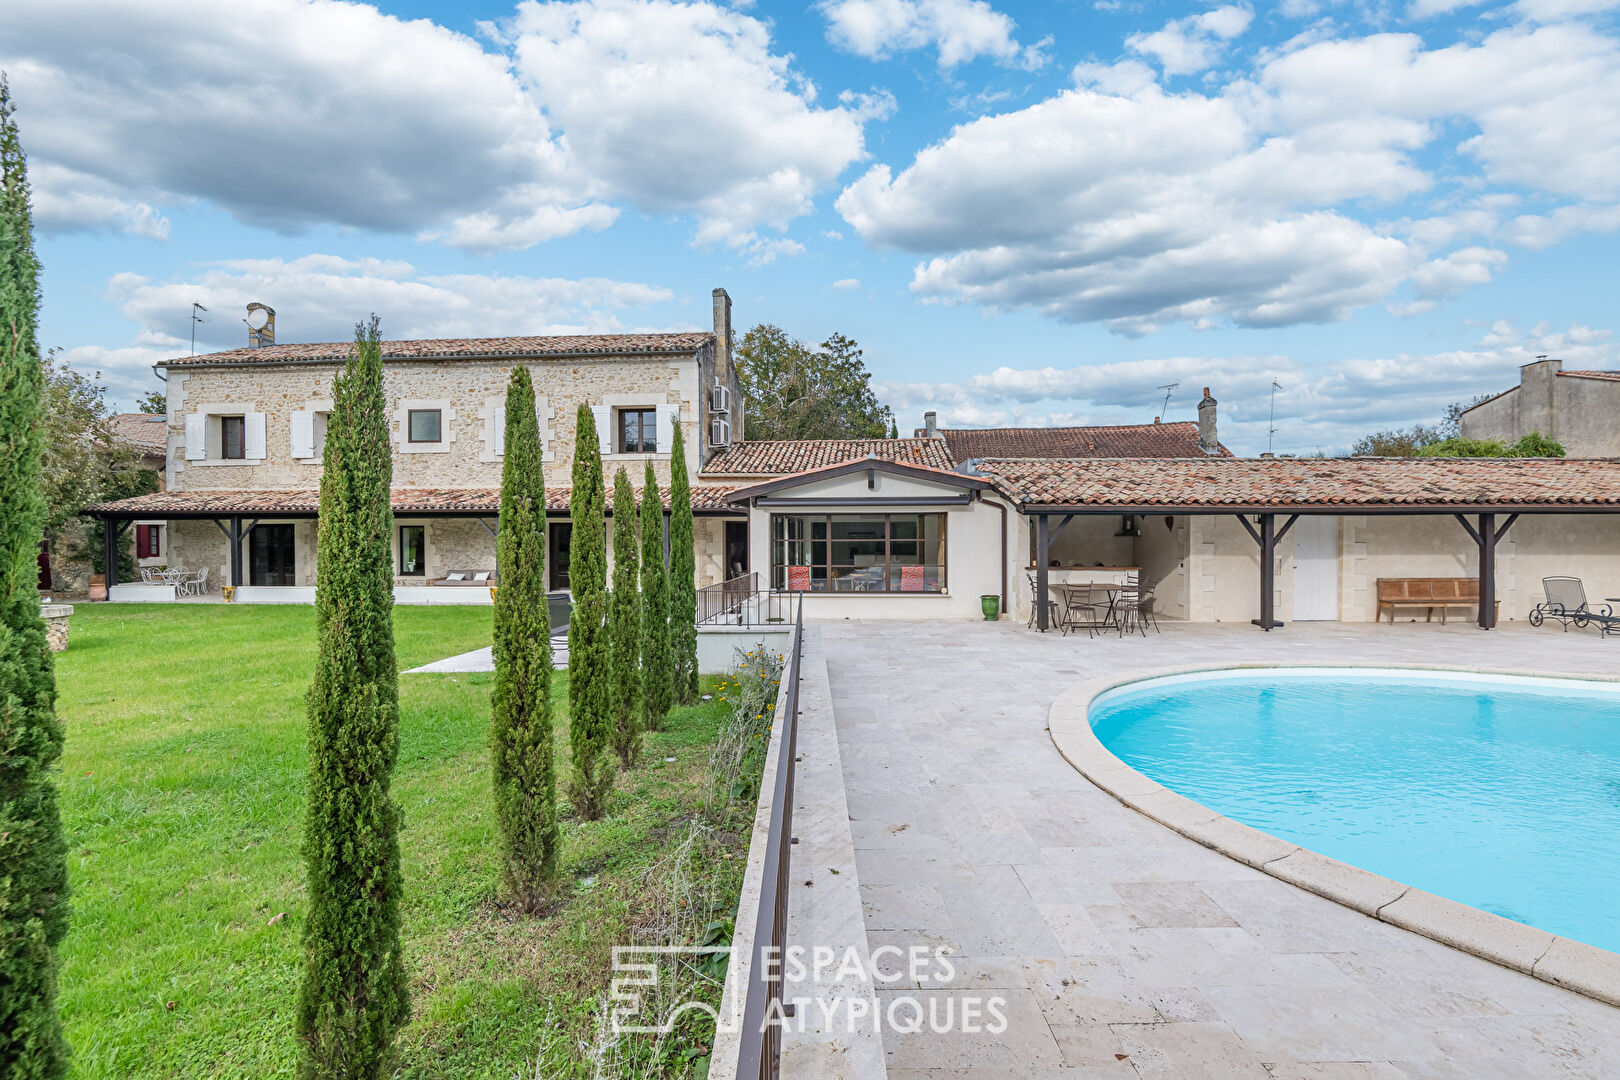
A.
pixel 779 457
pixel 412 501
pixel 1176 440
pixel 142 430
pixel 566 345
pixel 1350 484
pixel 1611 376
pixel 877 464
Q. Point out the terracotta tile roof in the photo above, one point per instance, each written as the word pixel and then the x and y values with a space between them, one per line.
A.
pixel 142 430
pixel 405 500
pixel 1285 482
pixel 787 456
pixel 838 468
pixel 1611 376
pixel 1117 441
pixel 462 349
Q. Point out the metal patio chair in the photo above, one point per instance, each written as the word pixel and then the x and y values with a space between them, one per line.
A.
pixel 1083 610
pixel 1566 603
pixel 1051 606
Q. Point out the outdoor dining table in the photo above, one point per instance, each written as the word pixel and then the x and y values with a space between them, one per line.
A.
pixel 1109 589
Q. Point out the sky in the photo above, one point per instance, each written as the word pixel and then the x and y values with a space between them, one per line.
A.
pixel 1347 215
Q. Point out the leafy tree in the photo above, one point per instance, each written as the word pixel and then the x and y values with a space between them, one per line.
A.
pixel 153 403
pixel 590 662
pixel 83 463
pixel 1534 444
pixel 682 578
pixel 355 995
pixel 624 619
pixel 522 752
pixel 657 658
pixel 33 850
pixel 1413 441
pixel 796 392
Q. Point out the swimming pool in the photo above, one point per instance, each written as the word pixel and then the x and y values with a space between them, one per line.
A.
pixel 1501 792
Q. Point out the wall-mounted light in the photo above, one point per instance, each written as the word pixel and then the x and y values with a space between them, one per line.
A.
pixel 1169 521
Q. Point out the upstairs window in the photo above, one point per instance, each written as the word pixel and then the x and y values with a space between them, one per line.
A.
pixel 638 431
pixel 233 437
pixel 424 425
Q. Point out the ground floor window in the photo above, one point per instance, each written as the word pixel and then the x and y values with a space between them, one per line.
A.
pixel 412 550
pixel 148 541
pixel 850 553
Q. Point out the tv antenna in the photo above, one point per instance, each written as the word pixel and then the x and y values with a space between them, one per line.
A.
pixel 1272 424
pixel 196 306
pixel 1168 388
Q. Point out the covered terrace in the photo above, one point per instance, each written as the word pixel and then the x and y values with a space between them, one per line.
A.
pixel 1268 496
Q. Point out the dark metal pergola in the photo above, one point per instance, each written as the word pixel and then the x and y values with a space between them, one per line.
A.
pixel 1485 530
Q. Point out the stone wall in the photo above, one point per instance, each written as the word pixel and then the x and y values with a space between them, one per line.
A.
pixel 467 390
pixel 56 625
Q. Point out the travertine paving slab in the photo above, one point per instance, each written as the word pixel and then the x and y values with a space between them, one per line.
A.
pixel 1127 950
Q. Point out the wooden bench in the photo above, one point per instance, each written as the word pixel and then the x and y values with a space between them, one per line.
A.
pixel 1428 593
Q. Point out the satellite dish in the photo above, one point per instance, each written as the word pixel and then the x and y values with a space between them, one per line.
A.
pixel 257 316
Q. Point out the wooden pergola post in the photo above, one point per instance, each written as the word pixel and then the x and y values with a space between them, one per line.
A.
pixel 1267 536
pixel 1485 537
pixel 1043 545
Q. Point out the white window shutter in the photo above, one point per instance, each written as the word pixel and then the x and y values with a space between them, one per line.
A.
pixel 303 434
pixel 668 417
pixel 497 423
pixel 604 427
pixel 253 436
pixel 196 437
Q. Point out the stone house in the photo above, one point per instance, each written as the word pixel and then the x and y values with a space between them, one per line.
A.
pixel 1580 409
pixel 245 427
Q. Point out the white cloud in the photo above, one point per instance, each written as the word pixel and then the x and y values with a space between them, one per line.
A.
pixel 1320 407
pixel 1119 202
pixel 1191 44
pixel 962 30
pixel 320 297
pixel 289 113
pixel 846 284
pixel 284 113
pixel 684 108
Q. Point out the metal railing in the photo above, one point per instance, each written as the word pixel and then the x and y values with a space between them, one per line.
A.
pixel 739 601
pixel 761 1048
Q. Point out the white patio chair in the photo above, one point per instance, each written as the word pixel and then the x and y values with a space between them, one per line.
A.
pixel 199 583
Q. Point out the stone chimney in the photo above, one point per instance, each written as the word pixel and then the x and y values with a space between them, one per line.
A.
pixel 1207 441
pixel 931 424
pixel 1537 404
pixel 722 336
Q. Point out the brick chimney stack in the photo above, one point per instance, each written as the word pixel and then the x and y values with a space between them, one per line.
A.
pixel 931 424
pixel 1207 441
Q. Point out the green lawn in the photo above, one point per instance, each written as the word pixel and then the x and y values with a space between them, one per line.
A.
pixel 182 790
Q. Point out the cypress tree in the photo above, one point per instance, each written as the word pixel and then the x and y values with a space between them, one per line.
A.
pixel 354 995
pixel 522 754
pixel 625 620
pixel 657 661
pixel 682 578
pixel 33 851
pixel 590 660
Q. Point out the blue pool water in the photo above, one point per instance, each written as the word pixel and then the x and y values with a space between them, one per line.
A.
pixel 1499 792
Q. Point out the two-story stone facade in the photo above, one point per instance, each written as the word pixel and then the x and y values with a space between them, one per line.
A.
pixel 245 430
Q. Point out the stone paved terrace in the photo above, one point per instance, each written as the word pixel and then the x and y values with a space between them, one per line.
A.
pixel 1124 949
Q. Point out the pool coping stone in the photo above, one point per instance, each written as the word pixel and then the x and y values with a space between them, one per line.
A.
pixel 1573 965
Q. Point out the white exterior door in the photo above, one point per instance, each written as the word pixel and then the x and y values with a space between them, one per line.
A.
pixel 1316 569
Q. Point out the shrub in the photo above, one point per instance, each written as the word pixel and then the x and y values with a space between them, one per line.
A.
pixel 33 851
pixel 522 753
pixel 590 663
pixel 354 995
pixel 682 578
pixel 624 620
pixel 657 662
